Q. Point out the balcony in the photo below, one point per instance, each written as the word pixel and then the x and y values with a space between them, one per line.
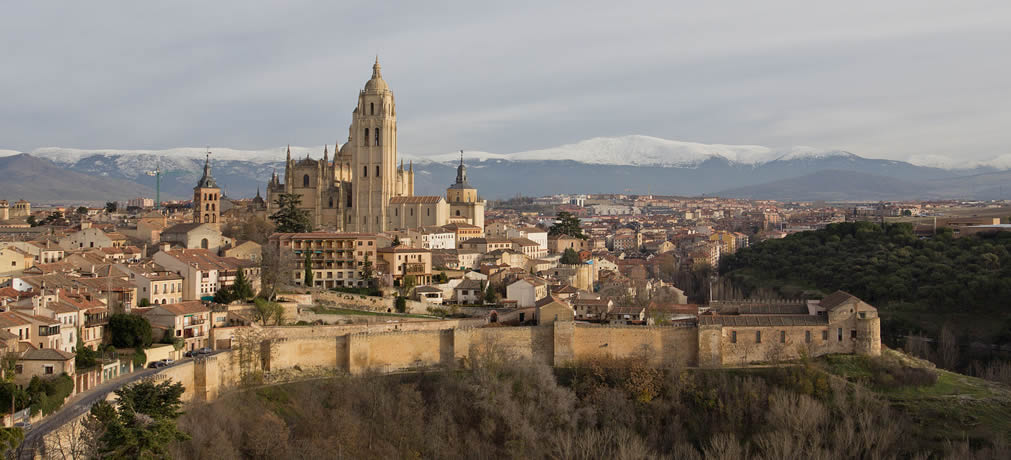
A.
pixel 195 322
pixel 94 321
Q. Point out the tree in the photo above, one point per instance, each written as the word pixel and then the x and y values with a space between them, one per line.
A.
pixel 143 425
pixel 225 296
pixel 567 224
pixel 307 276
pixel 367 273
pixel 407 285
pixel 490 294
pixel 144 303
pixel 242 289
pixel 400 304
pixel 570 257
pixel 82 211
pixel 396 241
pixel 84 358
pixel 265 310
pixel 111 206
pixel 129 331
pixel 289 218
pixel 32 221
pixel 277 267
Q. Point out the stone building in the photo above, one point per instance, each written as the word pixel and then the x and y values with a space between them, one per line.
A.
pixel 747 333
pixel 363 189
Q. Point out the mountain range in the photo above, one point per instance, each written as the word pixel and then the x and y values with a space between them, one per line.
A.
pixel 627 164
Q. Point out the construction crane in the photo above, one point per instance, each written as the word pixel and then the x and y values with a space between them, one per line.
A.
pixel 157 187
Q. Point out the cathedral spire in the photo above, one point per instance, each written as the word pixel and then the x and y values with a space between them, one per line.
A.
pixel 325 157
pixel 376 69
pixel 289 153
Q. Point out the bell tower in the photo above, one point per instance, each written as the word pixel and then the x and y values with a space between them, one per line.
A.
pixel 207 198
pixel 374 156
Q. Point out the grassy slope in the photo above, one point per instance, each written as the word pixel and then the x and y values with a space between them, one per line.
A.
pixel 955 408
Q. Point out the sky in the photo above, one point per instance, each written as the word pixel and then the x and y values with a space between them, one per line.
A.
pixel 897 79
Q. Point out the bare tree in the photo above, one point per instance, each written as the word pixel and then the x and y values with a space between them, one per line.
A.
pixel 947 348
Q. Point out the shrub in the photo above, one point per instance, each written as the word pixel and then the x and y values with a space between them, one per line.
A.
pixel 128 331
pixel 400 304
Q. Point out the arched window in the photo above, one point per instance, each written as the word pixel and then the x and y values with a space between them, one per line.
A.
pixel 305 180
pixel 396 212
pixel 458 212
pixel 213 207
pixel 203 243
pixel 377 136
pixel 366 137
pixel 412 212
pixel 207 207
pixel 331 203
pixel 207 217
pixel 428 212
pixel 372 109
pixel 365 171
pixel 377 168
pixel 214 218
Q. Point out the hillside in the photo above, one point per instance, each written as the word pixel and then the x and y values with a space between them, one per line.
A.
pixel 833 407
pixel 41 180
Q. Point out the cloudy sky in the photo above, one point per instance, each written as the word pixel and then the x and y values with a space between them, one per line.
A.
pixel 890 79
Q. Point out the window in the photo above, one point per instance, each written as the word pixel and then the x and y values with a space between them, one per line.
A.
pixel 366 137
pixel 377 168
pixel 853 333
pixel 365 171
pixel 412 212
pixel 824 335
pixel 19 369
pixel 840 334
pixel 807 336
pixel 305 180
pixel 428 212
pixel 372 108
pixel 330 204
pixel 733 336
pixel 758 336
pixel 782 336
pixel 49 369
pixel 396 212
pixel 377 136
pixel 458 212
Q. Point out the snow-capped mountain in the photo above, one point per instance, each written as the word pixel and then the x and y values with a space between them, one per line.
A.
pixel 633 164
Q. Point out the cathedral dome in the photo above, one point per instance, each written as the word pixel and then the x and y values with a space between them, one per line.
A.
pixel 376 83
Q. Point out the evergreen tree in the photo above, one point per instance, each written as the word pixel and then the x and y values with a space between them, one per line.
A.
pixel 570 257
pixel 490 295
pixel 289 218
pixel 367 273
pixel 242 289
pixel 568 224
pixel 307 277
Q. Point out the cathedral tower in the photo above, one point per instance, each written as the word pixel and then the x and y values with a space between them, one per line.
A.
pixel 207 197
pixel 374 156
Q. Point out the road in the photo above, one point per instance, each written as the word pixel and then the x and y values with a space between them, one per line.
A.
pixel 77 406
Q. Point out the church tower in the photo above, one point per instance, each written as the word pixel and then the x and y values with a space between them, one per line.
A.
pixel 374 156
pixel 206 197
pixel 464 206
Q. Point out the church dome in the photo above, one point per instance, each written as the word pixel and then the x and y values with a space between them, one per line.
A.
pixel 376 83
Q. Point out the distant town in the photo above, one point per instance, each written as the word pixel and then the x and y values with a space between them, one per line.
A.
pixel 340 245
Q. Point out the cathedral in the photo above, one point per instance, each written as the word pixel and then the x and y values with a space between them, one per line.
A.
pixel 363 189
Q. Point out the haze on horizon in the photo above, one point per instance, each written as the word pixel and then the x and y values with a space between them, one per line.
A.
pixel 898 80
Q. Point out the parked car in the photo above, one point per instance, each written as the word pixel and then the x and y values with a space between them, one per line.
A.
pixel 198 352
pixel 167 362
pixel 25 426
pixel 205 351
pixel 155 364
